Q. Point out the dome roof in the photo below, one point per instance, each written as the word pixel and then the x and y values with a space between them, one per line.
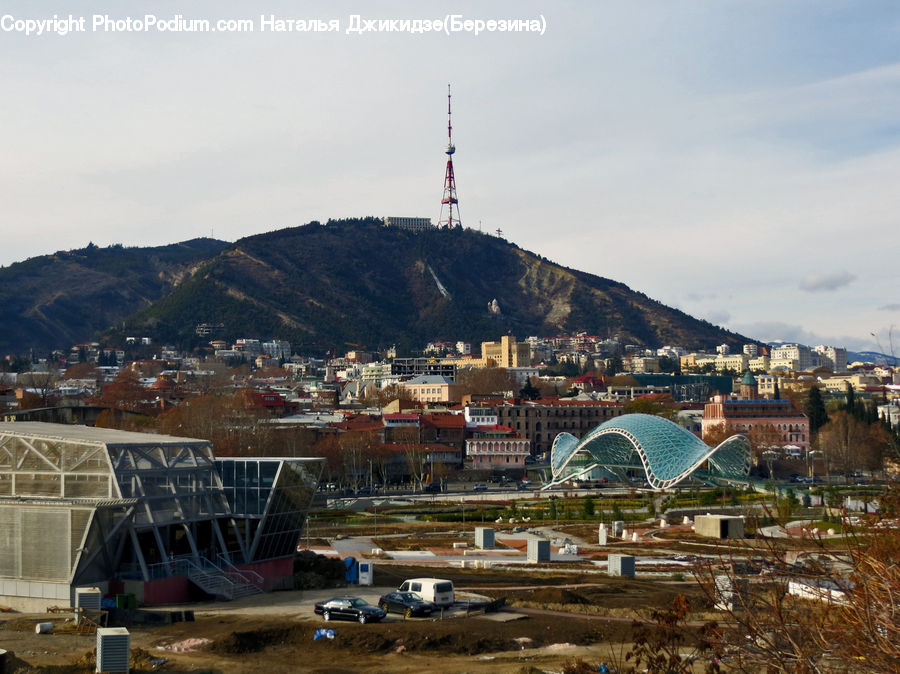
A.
pixel 667 452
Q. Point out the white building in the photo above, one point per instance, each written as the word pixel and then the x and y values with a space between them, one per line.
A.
pixel 411 224
pixel 277 349
pixel 479 416
pixel 251 347
pixel 794 357
pixel 832 357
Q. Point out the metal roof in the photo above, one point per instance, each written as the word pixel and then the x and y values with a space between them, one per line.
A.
pixel 87 434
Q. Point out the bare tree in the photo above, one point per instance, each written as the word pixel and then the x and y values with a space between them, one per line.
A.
pixel 417 461
pixel 843 613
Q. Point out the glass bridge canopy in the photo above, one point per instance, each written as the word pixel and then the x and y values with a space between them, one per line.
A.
pixel 666 452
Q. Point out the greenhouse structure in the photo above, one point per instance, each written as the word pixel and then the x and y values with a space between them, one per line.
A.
pixel 156 516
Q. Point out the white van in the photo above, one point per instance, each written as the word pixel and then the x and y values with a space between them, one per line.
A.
pixel 435 590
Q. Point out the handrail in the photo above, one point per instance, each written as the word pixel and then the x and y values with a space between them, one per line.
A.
pixel 249 575
pixel 217 580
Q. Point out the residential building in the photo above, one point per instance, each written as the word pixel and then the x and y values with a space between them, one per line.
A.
pixel 766 384
pixel 277 349
pixel 431 388
pixel 445 367
pixel 832 357
pixel 505 353
pixel 445 428
pixel 747 412
pixel 496 447
pixel 793 357
pixel 737 362
pixel 407 223
pixel 540 421
pixel 644 364
pixel 476 416
pixel 859 382
pixel 759 364
pixel 250 347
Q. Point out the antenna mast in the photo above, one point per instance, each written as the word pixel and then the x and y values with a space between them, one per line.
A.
pixel 449 198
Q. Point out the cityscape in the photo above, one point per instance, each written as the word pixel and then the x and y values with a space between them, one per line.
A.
pixel 618 394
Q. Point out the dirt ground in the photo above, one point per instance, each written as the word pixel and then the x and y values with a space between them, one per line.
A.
pixel 241 643
pixel 552 618
pixel 551 621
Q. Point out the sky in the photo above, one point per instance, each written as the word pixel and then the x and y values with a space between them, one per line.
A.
pixel 737 160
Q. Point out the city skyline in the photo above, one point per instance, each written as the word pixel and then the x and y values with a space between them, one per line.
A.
pixel 733 160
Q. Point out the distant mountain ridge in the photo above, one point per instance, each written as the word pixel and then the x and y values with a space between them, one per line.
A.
pixel 357 284
pixel 55 301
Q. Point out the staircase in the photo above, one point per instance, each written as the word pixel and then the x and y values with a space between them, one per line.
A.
pixel 226 583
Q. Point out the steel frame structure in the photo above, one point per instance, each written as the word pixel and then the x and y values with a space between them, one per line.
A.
pixel 83 505
pixel 665 452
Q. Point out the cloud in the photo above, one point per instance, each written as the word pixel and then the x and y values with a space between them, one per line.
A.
pixel 771 331
pixel 890 307
pixel 826 282
pixel 718 317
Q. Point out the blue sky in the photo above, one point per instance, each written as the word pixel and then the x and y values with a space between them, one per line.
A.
pixel 737 160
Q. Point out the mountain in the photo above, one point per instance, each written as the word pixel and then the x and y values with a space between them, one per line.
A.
pixel 55 301
pixel 872 357
pixel 347 284
pixel 358 284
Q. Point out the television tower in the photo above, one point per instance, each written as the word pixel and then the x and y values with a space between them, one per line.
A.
pixel 449 199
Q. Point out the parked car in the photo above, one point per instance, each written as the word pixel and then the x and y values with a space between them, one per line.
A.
pixel 349 608
pixel 408 603
pixel 364 491
pixel 523 485
pixel 432 488
pixel 436 590
pixel 480 486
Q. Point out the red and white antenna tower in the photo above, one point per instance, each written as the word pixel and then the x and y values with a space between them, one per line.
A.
pixel 449 199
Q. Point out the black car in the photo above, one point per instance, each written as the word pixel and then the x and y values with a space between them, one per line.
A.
pixel 408 603
pixel 349 608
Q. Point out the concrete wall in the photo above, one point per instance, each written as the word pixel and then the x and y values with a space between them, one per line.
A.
pixel 719 526
pixel 33 596
pixel 538 550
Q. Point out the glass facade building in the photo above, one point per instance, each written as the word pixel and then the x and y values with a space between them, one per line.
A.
pixel 663 451
pixel 82 506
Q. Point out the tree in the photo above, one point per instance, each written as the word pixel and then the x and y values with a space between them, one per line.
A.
pixel 614 365
pixel 125 392
pixel 662 406
pixel 235 424
pixel 850 405
pixel 841 441
pixel 357 448
pixel 848 622
pixel 660 644
pixel 486 381
pixel 417 462
pixel 715 435
pixel 587 507
pixel 42 387
pixel 82 371
pixel 815 411
pixel 529 392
